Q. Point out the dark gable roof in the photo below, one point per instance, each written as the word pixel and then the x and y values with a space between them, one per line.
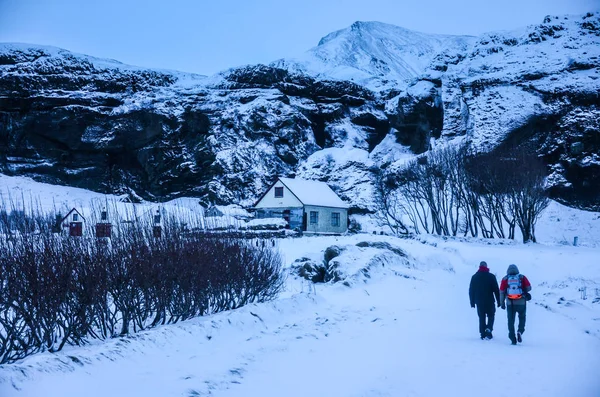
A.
pixel 70 212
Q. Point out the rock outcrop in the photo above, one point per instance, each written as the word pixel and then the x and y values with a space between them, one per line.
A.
pixel 81 121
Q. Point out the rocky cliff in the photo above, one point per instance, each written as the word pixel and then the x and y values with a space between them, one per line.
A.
pixel 73 119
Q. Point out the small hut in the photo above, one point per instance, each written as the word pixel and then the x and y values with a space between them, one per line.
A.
pixel 73 221
pixel 103 227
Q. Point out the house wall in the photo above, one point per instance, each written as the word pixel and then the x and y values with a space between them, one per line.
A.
pixel 324 221
pixel 66 223
pixel 287 201
pixel 295 220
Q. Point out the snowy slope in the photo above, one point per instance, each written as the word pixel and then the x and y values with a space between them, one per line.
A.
pixel 56 59
pixel 535 87
pixel 25 194
pixel 403 327
pixel 508 77
pixel 407 330
pixel 373 54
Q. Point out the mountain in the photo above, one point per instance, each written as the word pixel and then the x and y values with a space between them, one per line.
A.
pixel 538 87
pixel 363 99
pixel 100 125
pixel 374 54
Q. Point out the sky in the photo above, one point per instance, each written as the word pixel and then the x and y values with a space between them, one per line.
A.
pixel 207 36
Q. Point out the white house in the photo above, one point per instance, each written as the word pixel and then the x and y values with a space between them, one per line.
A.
pixel 310 206
pixel 73 221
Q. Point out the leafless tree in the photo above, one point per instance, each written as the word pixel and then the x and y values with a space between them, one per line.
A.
pixel 450 191
pixel 391 206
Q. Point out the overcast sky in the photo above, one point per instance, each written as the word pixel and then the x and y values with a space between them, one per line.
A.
pixel 206 36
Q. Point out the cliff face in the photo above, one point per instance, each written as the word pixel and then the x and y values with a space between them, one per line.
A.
pixel 537 87
pixel 77 120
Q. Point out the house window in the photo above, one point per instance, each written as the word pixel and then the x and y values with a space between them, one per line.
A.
pixel 103 216
pixel 335 219
pixel 75 217
pixel 314 217
pixel 156 218
pixel 279 192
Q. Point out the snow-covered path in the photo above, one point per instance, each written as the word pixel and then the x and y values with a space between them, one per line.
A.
pixel 406 334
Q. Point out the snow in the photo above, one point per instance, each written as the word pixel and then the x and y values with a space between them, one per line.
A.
pixel 233 210
pixel 395 325
pixel 560 224
pixel 505 78
pixel 406 330
pixel 313 193
pixel 373 54
pixel 399 326
pixel 23 193
pixel 390 151
pixel 43 52
pixel 264 223
pixel 499 111
pixel 346 169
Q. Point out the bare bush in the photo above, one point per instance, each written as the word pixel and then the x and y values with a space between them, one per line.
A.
pixel 57 290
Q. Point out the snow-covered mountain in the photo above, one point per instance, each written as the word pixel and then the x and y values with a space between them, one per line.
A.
pixel 374 54
pixel 365 98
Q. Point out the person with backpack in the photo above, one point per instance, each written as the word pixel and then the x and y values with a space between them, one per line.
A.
pixel 514 294
pixel 482 290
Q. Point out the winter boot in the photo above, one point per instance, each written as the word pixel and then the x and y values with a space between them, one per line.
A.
pixel 488 334
pixel 513 340
pixel 519 338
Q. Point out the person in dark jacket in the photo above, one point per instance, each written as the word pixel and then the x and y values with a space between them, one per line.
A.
pixel 482 290
pixel 514 287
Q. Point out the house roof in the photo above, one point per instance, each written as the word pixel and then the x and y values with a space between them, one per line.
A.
pixel 231 210
pixel 313 193
pixel 70 212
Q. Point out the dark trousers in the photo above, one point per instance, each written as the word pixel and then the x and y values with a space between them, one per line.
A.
pixel 512 311
pixel 486 317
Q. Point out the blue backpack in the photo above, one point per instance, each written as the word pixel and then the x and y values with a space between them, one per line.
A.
pixel 514 290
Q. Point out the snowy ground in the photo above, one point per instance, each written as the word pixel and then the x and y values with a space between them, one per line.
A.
pixel 407 330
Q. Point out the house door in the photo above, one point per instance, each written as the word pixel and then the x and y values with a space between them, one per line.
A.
pixel 76 229
pixel 304 222
pixel 286 217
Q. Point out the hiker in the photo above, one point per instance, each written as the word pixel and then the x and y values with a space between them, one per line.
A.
pixel 482 290
pixel 514 292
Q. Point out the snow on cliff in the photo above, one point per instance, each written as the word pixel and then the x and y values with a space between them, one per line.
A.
pixel 374 54
pixel 377 92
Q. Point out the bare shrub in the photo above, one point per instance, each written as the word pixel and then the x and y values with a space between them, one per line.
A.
pixel 449 191
pixel 57 290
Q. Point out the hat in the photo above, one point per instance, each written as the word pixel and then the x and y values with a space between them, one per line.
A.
pixel 483 263
pixel 512 270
